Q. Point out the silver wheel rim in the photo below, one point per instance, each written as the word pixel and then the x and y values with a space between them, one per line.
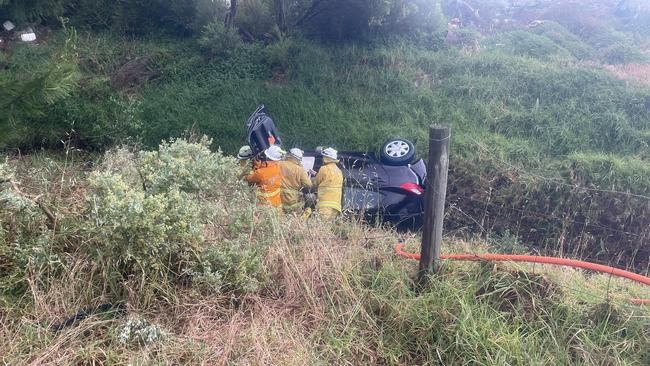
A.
pixel 397 149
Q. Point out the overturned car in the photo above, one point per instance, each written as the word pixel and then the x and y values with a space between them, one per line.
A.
pixel 387 186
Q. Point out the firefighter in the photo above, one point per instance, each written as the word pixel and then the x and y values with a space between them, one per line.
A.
pixel 244 157
pixel 267 177
pixel 329 181
pixel 295 180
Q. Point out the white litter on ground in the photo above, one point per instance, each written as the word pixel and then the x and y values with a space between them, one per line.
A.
pixel 8 25
pixel 28 37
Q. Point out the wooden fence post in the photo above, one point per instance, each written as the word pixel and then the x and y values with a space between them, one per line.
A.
pixel 434 204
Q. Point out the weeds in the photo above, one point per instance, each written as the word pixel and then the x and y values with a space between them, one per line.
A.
pixel 289 291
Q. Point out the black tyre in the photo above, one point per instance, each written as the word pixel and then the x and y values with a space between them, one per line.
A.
pixel 397 151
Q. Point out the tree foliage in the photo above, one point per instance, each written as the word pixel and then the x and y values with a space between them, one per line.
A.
pixel 28 91
pixel 138 17
pixel 339 19
pixel 255 19
pixel 31 10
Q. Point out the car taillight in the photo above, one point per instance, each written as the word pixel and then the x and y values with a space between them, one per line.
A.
pixel 413 188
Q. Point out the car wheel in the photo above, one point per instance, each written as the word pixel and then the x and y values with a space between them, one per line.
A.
pixel 397 151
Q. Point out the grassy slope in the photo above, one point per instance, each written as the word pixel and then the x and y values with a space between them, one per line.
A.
pixel 532 101
pixel 354 97
pixel 342 296
pixel 547 112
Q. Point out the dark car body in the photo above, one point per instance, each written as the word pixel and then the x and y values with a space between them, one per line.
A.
pixel 261 131
pixel 373 188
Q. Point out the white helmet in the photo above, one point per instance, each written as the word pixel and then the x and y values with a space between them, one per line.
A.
pixel 330 153
pixel 296 153
pixel 245 152
pixel 274 153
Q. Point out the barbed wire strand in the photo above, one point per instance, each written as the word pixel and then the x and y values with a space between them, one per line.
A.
pixel 555 252
pixel 550 216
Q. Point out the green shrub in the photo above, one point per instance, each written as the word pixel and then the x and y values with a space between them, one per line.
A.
pixel 235 264
pixel 191 167
pixel 219 40
pixel 146 235
pixel 278 55
pixel 148 213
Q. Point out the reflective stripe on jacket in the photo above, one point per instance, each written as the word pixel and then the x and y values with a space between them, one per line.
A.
pixel 329 181
pixel 294 179
pixel 268 180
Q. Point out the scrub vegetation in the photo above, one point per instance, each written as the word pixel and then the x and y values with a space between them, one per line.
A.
pixel 223 281
pixel 549 106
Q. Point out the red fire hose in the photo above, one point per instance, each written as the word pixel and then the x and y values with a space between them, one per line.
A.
pixel 539 259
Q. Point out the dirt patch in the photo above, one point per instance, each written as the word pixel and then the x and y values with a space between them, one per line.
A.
pixel 133 73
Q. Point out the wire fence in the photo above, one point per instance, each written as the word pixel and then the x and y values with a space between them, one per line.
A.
pixel 579 222
pixel 489 214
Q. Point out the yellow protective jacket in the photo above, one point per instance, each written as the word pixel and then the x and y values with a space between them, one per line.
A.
pixel 266 176
pixel 294 180
pixel 329 181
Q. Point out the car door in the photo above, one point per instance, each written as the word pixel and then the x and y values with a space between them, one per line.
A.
pixel 361 182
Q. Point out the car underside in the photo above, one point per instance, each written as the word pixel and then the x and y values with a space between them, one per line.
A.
pixel 386 187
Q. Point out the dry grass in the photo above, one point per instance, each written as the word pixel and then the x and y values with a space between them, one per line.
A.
pixel 637 73
pixel 275 326
pixel 314 292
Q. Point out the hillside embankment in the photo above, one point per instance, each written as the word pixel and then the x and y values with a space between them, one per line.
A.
pixel 546 147
pixel 548 103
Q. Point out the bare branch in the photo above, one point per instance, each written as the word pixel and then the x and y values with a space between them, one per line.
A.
pixel 51 218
